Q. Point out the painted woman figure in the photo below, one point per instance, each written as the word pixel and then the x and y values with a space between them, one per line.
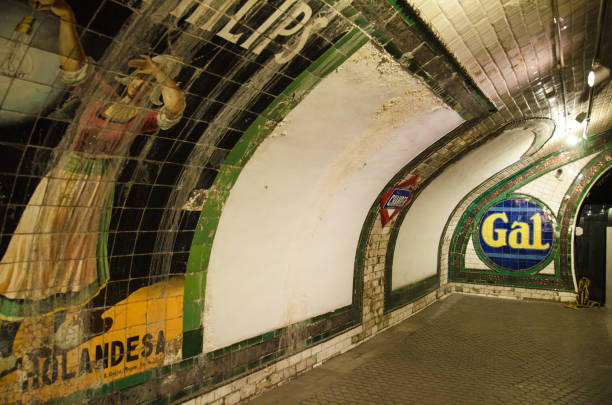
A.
pixel 57 257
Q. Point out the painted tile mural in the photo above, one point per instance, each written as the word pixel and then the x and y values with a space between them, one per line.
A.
pixel 517 232
pixel 115 117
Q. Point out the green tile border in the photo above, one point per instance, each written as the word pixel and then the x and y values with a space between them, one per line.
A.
pixel 410 293
pixel 420 29
pixel 374 212
pixel 230 170
pixel 195 277
pixel 499 270
pixel 524 279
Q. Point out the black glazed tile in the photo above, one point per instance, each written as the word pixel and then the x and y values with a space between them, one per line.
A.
pixel 138 144
pixel 159 196
pixel 217 158
pixel 137 283
pixel 315 47
pixel 296 66
pixel 169 174
pixel 204 84
pixel 114 221
pixel 175 131
pixel 184 76
pixel 35 161
pixel 120 194
pixel 130 219
pixel 194 132
pixel 230 139
pixel 207 178
pixel 141 266
pixel 146 172
pixel 48 132
pixel 162 39
pixel 183 241
pixel 243 121
pixel 11 217
pixel 138 196
pixel 126 173
pixel 6 189
pixel 110 18
pixel 120 267
pixel 258 16
pixel 205 54
pixel 116 291
pixel 11 157
pixel 95 44
pixel 18 133
pixel 145 242
pixel 193 103
pixel 210 109
pixel 151 219
pixel 277 84
pixel 84 11
pixel 124 243
pixel 180 152
pixel 227 91
pixel 261 103
pixel 160 149
pixel 246 71
pixel 179 263
pixel 24 187
pixel 189 220
pixel 222 62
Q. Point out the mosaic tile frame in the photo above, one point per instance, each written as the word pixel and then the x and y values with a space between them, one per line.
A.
pixel 431 61
pixel 262 349
pixel 195 280
pixel 404 295
pixel 228 174
pixel 563 279
pixel 407 294
pixel 494 267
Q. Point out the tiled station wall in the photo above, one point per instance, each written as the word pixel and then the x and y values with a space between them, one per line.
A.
pixel 550 173
pixel 555 179
pixel 240 76
pixel 235 59
pixel 415 258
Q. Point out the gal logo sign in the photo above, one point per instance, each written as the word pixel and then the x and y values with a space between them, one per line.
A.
pixel 516 234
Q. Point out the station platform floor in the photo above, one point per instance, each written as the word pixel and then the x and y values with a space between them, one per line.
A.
pixel 470 350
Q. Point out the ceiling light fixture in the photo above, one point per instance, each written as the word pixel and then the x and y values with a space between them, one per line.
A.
pixel 592 78
pixel 597 74
pixel 572 140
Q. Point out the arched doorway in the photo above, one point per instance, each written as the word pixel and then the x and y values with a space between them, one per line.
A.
pixel 593 239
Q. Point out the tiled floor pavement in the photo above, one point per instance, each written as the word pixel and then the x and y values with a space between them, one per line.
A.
pixel 470 350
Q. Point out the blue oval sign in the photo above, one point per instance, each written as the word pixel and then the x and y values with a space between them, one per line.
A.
pixel 516 234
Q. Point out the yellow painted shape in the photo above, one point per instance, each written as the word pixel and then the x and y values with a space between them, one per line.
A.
pixel 149 310
pixel 494 237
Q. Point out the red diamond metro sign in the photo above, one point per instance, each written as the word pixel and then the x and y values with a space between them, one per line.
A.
pixel 396 199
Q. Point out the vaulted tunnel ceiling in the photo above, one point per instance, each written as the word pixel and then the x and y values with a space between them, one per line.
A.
pixel 530 58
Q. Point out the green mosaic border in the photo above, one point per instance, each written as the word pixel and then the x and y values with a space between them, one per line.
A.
pixel 420 28
pixel 404 295
pixel 504 195
pixel 407 294
pixel 499 270
pixel 576 207
pixel 590 147
pixel 195 276
pixel 197 265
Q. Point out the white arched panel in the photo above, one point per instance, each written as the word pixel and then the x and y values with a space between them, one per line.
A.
pixel 416 250
pixel 285 246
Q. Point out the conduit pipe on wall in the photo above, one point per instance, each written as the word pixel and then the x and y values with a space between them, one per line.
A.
pixel 600 17
pixel 559 56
